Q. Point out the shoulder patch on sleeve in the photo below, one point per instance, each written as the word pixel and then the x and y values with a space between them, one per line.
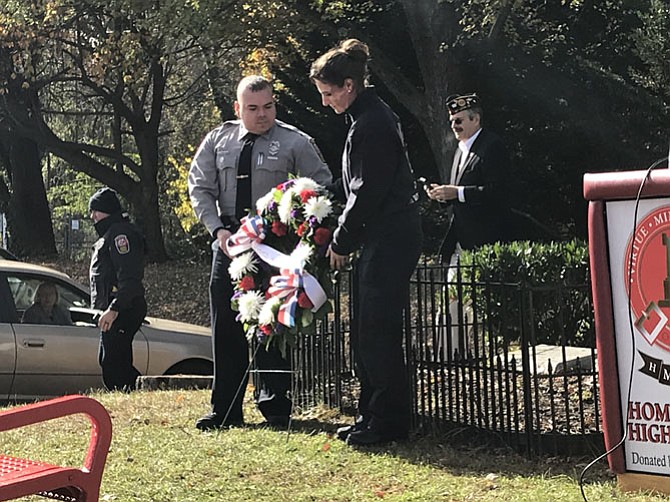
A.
pixel 318 151
pixel 122 244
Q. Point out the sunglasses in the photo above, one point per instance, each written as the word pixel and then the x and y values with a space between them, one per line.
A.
pixel 457 121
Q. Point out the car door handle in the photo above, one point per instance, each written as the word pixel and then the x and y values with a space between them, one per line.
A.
pixel 33 343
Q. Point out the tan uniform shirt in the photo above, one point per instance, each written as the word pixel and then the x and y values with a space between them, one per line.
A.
pixel 212 179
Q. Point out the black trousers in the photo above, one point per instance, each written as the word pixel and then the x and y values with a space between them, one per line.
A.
pixel 384 268
pixel 115 354
pixel 231 355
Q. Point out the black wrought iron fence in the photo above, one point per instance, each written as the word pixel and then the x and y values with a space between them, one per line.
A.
pixel 509 361
pixel 475 352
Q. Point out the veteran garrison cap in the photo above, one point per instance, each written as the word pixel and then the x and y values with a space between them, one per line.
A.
pixel 456 103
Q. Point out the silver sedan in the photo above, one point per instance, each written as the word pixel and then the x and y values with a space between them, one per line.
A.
pixel 44 360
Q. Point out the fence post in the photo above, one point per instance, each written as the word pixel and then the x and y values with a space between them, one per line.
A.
pixel 526 299
pixel 338 342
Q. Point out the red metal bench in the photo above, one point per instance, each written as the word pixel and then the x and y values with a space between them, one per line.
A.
pixel 20 477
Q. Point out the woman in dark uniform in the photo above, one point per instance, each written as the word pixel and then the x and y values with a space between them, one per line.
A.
pixel 381 219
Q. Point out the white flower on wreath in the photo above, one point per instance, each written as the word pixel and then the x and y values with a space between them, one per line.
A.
pixel 301 255
pixel 268 312
pixel 250 305
pixel 263 202
pixel 286 206
pixel 242 265
pixel 319 207
pixel 302 184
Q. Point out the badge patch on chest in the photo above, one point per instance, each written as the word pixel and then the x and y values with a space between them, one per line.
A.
pixel 122 244
pixel 273 149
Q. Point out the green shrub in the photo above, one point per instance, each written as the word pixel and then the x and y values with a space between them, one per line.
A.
pixel 540 287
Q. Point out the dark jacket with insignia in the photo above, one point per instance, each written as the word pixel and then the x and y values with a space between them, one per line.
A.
pixel 117 264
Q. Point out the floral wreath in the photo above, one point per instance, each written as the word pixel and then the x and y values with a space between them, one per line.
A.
pixel 280 270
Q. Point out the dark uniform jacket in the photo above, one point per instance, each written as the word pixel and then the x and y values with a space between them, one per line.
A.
pixel 484 216
pixel 117 264
pixel 377 179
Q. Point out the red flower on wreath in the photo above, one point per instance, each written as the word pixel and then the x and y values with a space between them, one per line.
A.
pixel 279 229
pixel 247 283
pixel 322 236
pixel 305 195
pixel 304 301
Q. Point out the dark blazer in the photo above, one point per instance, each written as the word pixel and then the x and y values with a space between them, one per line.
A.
pixel 484 216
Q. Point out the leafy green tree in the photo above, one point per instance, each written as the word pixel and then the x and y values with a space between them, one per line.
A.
pixel 102 74
pixel 652 44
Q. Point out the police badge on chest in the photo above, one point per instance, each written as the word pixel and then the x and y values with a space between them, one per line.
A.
pixel 273 150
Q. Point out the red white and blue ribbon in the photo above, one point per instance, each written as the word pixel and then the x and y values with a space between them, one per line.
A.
pixel 286 286
pixel 250 234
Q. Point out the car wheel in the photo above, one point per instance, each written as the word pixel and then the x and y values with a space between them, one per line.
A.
pixel 193 367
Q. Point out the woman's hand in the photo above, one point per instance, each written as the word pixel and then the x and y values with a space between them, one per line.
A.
pixel 107 319
pixel 337 261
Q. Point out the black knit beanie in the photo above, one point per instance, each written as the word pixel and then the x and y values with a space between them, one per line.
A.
pixel 105 200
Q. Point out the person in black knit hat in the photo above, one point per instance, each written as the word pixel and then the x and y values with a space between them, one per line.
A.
pixel 116 274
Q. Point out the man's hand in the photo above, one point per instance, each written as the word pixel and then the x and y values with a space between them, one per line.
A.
pixel 107 319
pixel 337 261
pixel 442 193
pixel 222 236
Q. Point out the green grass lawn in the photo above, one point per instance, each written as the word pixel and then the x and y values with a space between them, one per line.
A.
pixel 157 455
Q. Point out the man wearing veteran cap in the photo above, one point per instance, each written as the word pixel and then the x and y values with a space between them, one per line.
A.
pixel 116 273
pixel 476 188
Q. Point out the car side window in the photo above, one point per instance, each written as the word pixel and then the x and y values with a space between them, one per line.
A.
pixel 24 290
pixel 71 298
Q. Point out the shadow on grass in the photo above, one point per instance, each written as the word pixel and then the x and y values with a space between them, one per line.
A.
pixel 461 453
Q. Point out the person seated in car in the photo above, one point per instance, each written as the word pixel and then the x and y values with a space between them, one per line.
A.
pixel 45 308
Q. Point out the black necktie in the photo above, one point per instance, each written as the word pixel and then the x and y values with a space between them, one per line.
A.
pixel 243 200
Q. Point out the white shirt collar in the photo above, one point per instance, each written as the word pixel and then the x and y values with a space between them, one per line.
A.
pixel 465 146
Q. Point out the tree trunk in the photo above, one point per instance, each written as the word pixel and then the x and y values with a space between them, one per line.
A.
pixel 147 216
pixel 433 27
pixel 143 196
pixel 29 217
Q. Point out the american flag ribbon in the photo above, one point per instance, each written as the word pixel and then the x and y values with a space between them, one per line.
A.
pixel 287 285
pixel 251 231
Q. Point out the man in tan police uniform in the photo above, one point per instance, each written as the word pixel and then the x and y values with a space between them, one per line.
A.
pixel 223 187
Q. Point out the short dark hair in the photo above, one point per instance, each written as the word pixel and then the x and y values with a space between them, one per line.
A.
pixel 254 83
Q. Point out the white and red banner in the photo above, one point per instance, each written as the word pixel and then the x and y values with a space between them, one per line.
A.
pixel 639 263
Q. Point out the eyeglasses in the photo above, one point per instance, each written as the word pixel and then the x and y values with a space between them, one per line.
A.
pixel 457 121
